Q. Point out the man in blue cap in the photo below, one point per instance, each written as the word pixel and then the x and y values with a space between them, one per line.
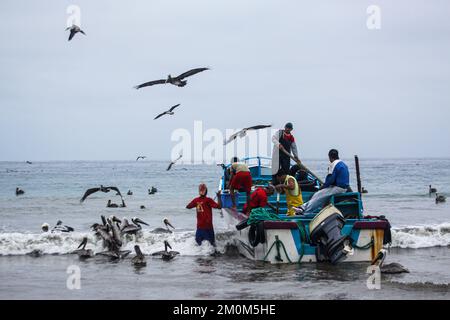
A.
pixel 284 144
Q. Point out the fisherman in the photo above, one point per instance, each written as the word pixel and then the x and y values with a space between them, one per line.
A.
pixel 337 181
pixel 240 180
pixel 284 143
pixel 259 198
pixel 204 205
pixel 290 186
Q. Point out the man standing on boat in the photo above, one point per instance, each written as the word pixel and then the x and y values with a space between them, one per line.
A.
pixel 284 144
pixel 204 205
pixel 241 180
pixel 337 181
pixel 293 193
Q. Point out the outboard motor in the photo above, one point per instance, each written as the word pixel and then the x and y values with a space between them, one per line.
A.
pixel 325 233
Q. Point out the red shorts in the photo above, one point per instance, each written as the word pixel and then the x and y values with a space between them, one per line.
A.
pixel 242 181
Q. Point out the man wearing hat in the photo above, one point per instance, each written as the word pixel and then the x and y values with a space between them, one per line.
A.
pixel 284 144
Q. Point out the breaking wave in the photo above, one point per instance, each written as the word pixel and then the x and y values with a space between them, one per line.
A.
pixel 413 237
pixel 421 236
pixel 65 243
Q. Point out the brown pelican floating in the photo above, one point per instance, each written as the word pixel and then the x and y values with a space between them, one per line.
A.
pixel 431 190
pixel 153 190
pixel 29 162
pixel 62 228
pixel 133 228
pixel 173 162
pixel 166 255
pixel 35 253
pixel 111 205
pixel 243 132
pixel 140 157
pixel 102 189
pixel 142 207
pixel 170 112
pixel 139 259
pixel 177 81
pixel 82 252
pixel 19 191
pixel 130 193
pixel 440 198
pixel 73 30
pixel 364 190
pixel 390 268
pixel 166 229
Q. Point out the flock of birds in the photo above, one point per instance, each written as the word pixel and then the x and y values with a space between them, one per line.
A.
pixel 114 232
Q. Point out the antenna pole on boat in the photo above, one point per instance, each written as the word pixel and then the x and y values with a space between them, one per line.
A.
pixel 358 174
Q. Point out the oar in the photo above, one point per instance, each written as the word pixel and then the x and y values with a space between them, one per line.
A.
pixel 278 202
pixel 301 165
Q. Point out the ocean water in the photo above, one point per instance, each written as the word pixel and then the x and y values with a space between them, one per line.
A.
pixel 398 189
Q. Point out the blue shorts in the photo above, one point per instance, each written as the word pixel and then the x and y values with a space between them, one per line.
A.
pixel 205 234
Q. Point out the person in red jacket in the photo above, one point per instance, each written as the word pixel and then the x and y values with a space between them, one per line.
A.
pixel 204 205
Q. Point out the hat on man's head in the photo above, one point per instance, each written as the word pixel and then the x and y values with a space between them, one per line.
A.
pixel 289 126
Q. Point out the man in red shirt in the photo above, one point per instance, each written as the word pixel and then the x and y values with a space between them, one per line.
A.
pixel 259 199
pixel 204 205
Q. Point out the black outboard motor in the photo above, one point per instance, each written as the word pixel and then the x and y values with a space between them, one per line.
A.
pixel 325 233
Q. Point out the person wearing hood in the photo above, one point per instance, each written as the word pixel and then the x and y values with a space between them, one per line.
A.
pixel 204 206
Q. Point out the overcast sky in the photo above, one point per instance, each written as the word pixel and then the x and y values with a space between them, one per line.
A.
pixel 376 93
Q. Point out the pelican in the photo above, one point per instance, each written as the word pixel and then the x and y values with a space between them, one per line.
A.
pixel 133 228
pixel 82 252
pixel 431 190
pixel 390 268
pixel 166 255
pixel 173 162
pixel 73 30
pixel 130 193
pixel 139 259
pixel 243 132
pixel 19 191
pixel 140 157
pixel 177 81
pixel 153 190
pixel 166 229
pixel 102 189
pixel 440 198
pixel 62 228
pixel 169 112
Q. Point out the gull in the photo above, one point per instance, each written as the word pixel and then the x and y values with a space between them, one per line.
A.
pixel 243 132
pixel 173 162
pixel 177 81
pixel 170 111
pixel 102 189
pixel 73 30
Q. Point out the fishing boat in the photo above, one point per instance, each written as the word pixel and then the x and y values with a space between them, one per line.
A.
pixel 338 232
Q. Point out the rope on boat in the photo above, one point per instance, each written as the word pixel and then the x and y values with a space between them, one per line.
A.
pixel 364 247
pixel 278 243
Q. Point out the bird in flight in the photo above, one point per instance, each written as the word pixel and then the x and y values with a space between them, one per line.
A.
pixel 243 132
pixel 73 30
pixel 140 157
pixel 102 189
pixel 177 81
pixel 173 162
pixel 170 112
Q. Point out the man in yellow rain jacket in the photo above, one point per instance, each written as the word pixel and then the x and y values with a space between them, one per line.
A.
pixel 293 193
